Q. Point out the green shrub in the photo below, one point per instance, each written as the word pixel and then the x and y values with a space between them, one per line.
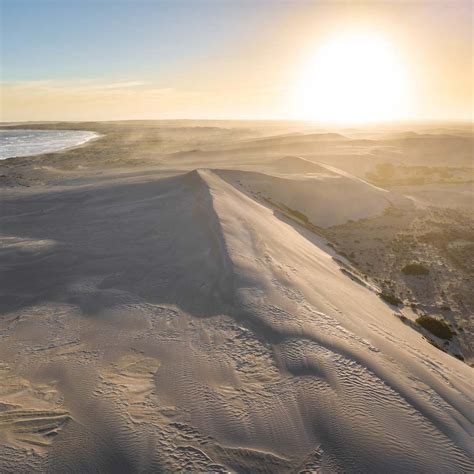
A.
pixel 299 215
pixel 435 326
pixel 390 298
pixel 415 269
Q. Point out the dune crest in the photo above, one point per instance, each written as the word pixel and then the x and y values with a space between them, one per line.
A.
pixel 323 329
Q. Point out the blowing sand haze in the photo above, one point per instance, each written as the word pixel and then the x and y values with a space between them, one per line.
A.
pixel 209 295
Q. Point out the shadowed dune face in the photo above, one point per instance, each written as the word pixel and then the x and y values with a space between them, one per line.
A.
pixel 119 254
pixel 177 324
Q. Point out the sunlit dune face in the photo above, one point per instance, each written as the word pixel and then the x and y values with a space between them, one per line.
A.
pixel 351 78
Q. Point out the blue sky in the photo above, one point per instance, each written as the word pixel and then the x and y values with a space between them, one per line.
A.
pixel 73 39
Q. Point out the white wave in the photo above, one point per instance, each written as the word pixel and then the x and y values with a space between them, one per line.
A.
pixel 14 143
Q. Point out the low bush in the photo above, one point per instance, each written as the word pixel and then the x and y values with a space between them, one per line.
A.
pixel 299 215
pixel 435 326
pixel 415 269
pixel 390 298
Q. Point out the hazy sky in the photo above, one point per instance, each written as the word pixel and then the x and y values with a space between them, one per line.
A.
pixel 111 60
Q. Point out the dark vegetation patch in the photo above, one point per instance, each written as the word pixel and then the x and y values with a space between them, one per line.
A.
pixel 390 298
pixel 299 215
pixel 435 326
pixel 415 269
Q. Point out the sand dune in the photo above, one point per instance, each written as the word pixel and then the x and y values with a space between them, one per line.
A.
pixel 158 319
pixel 297 165
pixel 325 195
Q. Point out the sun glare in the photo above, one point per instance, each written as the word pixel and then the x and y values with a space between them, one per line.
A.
pixel 354 77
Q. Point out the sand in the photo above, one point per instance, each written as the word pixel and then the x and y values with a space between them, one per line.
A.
pixel 172 302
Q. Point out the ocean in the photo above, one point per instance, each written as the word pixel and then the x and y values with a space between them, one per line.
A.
pixel 15 143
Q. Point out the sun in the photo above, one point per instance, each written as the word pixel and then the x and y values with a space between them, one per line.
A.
pixel 352 77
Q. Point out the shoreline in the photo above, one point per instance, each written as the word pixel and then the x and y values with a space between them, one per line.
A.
pixel 94 136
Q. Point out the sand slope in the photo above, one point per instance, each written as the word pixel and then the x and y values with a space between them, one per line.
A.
pixel 325 195
pixel 178 324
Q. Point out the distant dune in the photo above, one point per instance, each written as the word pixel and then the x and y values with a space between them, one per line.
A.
pixel 325 195
pixel 297 165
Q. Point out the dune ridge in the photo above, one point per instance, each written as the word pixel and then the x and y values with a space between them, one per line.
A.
pixel 290 324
